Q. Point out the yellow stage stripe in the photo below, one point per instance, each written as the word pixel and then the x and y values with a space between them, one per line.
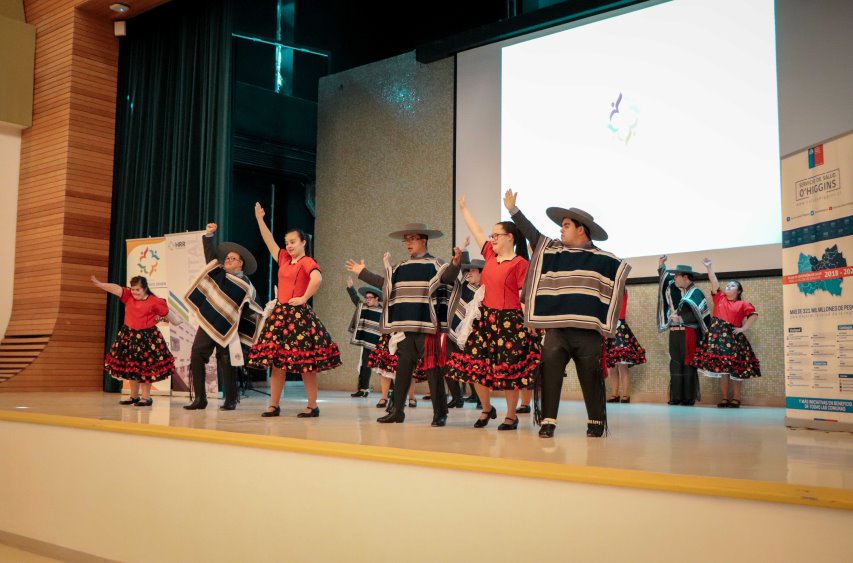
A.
pixel 823 497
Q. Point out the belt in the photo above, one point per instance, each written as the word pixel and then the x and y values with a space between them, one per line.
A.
pixel 680 327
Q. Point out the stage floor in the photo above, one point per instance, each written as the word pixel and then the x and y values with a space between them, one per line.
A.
pixel 748 443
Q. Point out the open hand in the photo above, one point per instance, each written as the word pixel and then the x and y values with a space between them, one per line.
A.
pixel 509 199
pixel 259 211
pixel 355 267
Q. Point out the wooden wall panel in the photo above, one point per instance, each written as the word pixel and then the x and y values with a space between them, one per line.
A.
pixel 55 336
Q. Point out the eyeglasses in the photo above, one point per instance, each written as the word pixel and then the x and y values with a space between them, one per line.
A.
pixel 412 238
pixel 233 259
pixel 496 236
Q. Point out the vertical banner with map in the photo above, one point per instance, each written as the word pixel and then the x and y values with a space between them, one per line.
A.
pixel 185 259
pixel 145 257
pixel 817 242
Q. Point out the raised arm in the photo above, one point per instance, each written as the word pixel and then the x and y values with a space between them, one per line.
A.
pixel 712 277
pixel 265 232
pixel 473 226
pixel 452 271
pixel 368 277
pixel 353 294
pixel 524 225
pixel 207 242
pixel 115 289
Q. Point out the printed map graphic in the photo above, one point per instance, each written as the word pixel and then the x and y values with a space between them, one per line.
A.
pixel 831 258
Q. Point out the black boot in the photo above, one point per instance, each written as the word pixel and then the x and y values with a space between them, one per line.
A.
pixel 230 385
pixel 199 403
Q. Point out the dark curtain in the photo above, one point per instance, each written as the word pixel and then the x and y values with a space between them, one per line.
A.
pixel 173 130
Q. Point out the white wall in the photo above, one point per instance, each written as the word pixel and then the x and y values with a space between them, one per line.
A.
pixel 138 498
pixel 10 164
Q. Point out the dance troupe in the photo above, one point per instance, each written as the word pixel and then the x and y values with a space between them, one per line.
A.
pixel 511 322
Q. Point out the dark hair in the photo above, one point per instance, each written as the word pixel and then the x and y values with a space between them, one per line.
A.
pixel 520 242
pixel 142 282
pixel 302 236
pixel 739 288
pixel 584 227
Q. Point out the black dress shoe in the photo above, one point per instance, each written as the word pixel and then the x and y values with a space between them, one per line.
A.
pixel 512 426
pixel 481 422
pixel 129 401
pixel 439 420
pixel 547 430
pixel 358 394
pixel 392 417
pixel 594 430
pixel 456 403
pixel 383 403
pixel 523 409
pixel 274 412
pixel 471 399
pixel 144 402
pixel 315 412
pixel 673 402
pixel 197 404
pixel 228 406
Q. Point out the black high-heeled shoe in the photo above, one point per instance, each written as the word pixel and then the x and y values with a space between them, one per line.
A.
pixel 456 403
pixel 129 401
pixel 274 412
pixel 481 422
pixel 413 403
pixel 144 402
pixel 197 404
pixel 392 417
pixel 315 412
pixel 383 403
pixel 512 426
pixel 547 430
pixel 523 409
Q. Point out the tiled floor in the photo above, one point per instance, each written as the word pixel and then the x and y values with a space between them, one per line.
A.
pixel 747 443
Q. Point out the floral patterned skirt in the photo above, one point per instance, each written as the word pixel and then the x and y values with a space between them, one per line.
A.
pixel 723 352
pixel 385 363
pixel 500 353
pixel 293 339
pixel 624 348
pixel 139 355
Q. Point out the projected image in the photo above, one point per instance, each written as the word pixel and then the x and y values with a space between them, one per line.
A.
pixel 662 123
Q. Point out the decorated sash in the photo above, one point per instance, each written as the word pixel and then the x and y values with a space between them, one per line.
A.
pixel 224 305
pixel 574 287
pixel 413 297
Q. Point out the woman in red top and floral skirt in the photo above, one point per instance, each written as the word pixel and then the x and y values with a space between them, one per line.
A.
pixel 500 354
pixel 725 352
pixel 293 339
pixel 139 353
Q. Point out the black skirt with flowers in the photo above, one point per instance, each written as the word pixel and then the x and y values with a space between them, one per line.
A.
pixel 139 355
pixel 500 353
pixel 293 339
pixel 385 363
pixel 624 348
pixel 722 352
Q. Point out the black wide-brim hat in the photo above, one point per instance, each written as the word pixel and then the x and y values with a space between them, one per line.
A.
pixel 363 291
pixel 416 229
pixel 478 264
pixel 249 262
pixel 682 269
pixel 557 214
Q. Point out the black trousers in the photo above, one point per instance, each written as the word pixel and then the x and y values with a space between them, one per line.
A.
pixel 203 348
pixel 409 351
pixel 561 346
pixel 364 371
pixel 683 379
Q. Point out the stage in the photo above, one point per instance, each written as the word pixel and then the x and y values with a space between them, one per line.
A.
pixel 750 443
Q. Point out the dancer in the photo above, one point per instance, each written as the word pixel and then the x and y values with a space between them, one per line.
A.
pixel 385 364
pixel 573 291
pixel 139 353
pixel 365 330
pixel 293 339
pixel 725 351
pixel 500 354
pixel 683 311
pixel 463 292
pixel 223 300
pixel 623 351
pixel 414 314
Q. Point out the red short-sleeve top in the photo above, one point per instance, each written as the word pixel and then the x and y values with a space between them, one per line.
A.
pixel 140 314
pixel 623 310
pixel 502 280
pixel 293 278
pixel 733 312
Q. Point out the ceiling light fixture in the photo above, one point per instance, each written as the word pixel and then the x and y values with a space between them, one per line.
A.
pixel 120 8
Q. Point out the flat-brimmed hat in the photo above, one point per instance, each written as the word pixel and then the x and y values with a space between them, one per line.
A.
pixel 249 262
pixel 478 264
pixel 557 214
pixel 415 229
pixel 363 291
pixel 682 269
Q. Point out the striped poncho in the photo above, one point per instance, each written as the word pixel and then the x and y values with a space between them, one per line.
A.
pixel 691 305
pixel 463 293
pixel 365 326
pixel 224 304
pixel 414 298
pixel 573 288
